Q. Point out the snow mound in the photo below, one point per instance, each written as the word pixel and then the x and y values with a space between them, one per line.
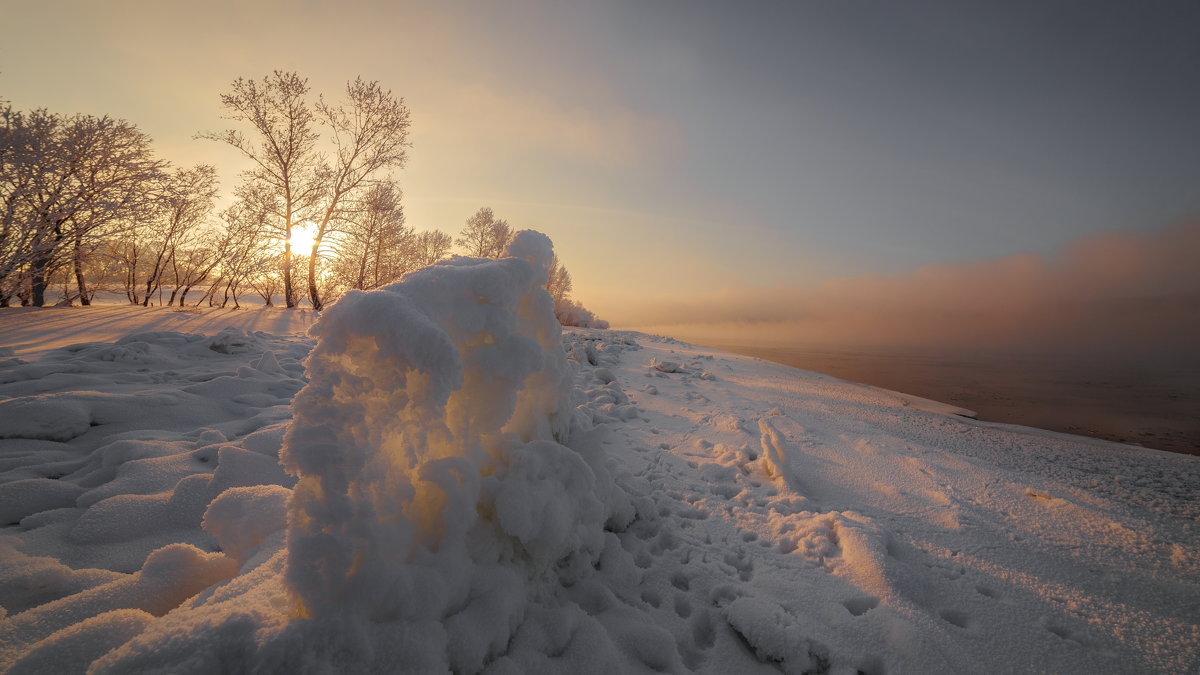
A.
pixel 428 433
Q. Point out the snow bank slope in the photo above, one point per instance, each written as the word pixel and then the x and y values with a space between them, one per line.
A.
pixel 824 524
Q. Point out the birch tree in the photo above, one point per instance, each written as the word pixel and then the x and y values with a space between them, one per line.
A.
pixel 370 135
pixel 376 247
pixel 283 152
pixel 187 197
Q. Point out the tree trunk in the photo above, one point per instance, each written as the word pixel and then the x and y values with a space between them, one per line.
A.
pixel 313 295
pixel 79 280
pixel 289 294
pixel 231 292
pixel 362 272
pixel 37 273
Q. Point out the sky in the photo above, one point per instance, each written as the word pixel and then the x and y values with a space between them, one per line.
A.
pixel 696 162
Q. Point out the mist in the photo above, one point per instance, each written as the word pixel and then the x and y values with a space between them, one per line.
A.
pixel 1115 294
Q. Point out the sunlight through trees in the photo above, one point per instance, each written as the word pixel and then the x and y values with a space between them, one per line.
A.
pixel 86 206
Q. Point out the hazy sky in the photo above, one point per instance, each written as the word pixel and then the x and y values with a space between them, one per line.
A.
pixel 676 150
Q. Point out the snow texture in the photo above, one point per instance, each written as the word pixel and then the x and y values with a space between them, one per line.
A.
pixel 439 480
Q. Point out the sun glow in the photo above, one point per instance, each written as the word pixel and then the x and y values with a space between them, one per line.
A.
pixel 303 235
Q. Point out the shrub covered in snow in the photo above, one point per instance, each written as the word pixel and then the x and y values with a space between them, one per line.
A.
pixel 571 313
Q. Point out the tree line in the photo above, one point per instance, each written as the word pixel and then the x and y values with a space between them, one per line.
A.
pixel 86 205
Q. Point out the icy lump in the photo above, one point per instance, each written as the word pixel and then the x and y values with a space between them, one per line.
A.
pixel 433 486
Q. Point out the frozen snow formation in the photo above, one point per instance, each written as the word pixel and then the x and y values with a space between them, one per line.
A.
pixel 435 498
pixel 440 480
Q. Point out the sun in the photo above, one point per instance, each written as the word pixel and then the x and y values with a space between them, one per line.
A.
pixel 302 237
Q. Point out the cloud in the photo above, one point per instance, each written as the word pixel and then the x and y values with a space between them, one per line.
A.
pixel 516 122
pixel 1119 292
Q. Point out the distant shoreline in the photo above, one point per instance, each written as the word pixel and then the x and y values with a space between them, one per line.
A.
pixel 1154 408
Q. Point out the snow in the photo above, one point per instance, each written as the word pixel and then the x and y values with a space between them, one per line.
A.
pixel 438 480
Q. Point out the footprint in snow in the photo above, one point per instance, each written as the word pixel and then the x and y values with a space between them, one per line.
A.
pixel 861 605
pixel 683 606
pixel 987 592
pixel 956 617
pixel 1064 631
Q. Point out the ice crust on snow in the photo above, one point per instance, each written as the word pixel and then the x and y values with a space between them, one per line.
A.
pixel 453 485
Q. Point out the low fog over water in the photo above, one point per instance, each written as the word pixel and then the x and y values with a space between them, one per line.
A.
pixel 1099 340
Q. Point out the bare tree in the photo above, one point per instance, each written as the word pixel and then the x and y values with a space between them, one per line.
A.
pixel 185 200
pixel 370 134
pixel 265 278
pixel 246 260
pixel 376 247
pixel 285 158
pixel 20 138
pixel 558 281
pixel 484 236
pixel 430 246
pixel 112 174
pixel 69 182
pixel 127 255
pixel 193 265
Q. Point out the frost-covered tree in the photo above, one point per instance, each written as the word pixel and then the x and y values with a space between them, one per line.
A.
pixel 368 134
pixel 266 280
pixel 283 151
pixel 244 259
pixel 484 235
pixel 129 260
pixel 193 266
pixel 569 312
pixel 376 246
pixel 430 247
pixel 558 280
pixel 67 183
pixel 20 139
pixel 184 202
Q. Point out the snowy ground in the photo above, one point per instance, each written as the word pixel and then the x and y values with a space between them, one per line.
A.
pixel 669 508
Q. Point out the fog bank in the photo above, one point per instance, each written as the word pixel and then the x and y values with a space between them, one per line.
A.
pixel 1119 293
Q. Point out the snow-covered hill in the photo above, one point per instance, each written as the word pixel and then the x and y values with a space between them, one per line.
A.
pixel 457 492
